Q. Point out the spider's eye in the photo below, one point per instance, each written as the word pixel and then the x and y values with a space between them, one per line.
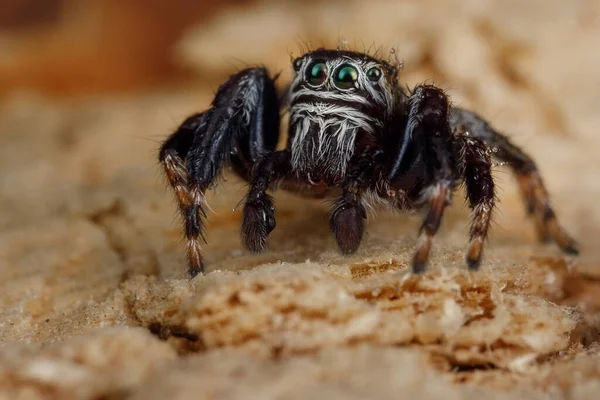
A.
pixel 316 73
pixel 374 74
pixel 297 64
pixel 345 76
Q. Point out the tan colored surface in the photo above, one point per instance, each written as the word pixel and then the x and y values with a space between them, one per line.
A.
pixel 91 255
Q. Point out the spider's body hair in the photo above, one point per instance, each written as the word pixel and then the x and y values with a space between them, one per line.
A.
pixel 324 136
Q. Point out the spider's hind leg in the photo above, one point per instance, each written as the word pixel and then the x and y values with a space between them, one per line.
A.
pixel 528 176
pixel 240 127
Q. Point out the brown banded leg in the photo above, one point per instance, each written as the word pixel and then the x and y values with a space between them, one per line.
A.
pixel 530 181
pixel 172 156
pixel 476 168
pixel 439 198
pixel 534 194
pixel 538 205
pixel 527 192
pixel 194 215
pixel 173 166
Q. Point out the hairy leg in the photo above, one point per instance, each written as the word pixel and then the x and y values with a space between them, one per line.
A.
pixel 439 196
pixel 528 176
pixel 241 126
pixel 428 126
pixel 476 168
pixel 172 156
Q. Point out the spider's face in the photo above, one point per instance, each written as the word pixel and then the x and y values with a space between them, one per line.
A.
pixel 347 77
pixel 335 96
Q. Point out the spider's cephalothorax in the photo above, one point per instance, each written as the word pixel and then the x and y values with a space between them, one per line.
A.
pixel 355 135
pixel 337 98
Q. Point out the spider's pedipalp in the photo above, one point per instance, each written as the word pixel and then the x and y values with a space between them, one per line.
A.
pixel 349 212
pixel 259 211
pixel 347 222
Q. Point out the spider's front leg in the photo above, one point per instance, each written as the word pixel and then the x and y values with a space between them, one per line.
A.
pixel 428 125
pixel 172 156
pixel 241 126
pixel 527 173
pixel 476 169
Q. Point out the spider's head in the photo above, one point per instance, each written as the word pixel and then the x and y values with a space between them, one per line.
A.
pixel 345 76
pixel 335 96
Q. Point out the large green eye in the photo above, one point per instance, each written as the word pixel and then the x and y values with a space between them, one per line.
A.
pixel 316 73
pixel 345 76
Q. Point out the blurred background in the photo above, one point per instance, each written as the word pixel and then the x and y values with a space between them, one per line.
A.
pixel 69 47
pixel 89 89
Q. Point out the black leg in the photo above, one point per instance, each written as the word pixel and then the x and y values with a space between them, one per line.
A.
pixel 241 126
pixel 428 125
pixel 259 211
pixel 476 168
pixel 528 176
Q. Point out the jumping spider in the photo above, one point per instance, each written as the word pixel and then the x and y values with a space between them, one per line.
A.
pixel 354 135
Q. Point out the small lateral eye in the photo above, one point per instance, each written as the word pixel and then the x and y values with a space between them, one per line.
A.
pixel 374 74
pixel 297 64
pixel 316 73
pixel 345 76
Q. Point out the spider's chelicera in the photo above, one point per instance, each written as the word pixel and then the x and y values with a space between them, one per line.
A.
pixel 356 136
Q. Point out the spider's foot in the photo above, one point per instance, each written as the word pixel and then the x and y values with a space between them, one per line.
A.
pixel 474 254
pixel 259 221
pixel 473 264
pixel 418 267
pixel 560 236
pixel 195 263
pixel 195 271
pixel 571 248
pixel 568 244
pixel 419 263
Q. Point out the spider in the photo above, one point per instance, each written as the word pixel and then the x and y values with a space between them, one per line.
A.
pixel 354 136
